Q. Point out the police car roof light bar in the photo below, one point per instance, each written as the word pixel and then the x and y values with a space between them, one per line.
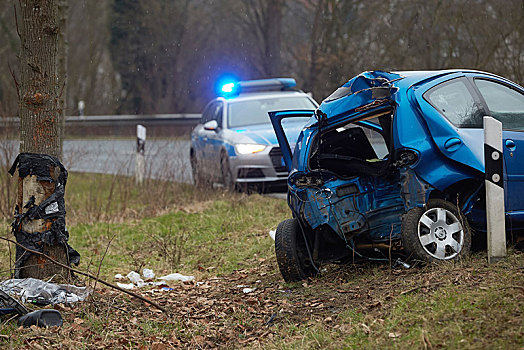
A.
pixel 247 86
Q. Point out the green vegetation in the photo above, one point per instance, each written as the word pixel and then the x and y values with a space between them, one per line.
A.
pixel 222 239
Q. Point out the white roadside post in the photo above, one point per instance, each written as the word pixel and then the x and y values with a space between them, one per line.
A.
pixel 493 160
pixel 140 150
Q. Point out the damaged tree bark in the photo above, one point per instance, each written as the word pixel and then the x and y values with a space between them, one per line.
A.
pixel 40 135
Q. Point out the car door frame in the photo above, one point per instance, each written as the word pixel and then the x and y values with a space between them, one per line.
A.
pixel 510 180
pixel 215 140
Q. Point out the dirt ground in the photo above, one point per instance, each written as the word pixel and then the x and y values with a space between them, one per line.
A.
pixel 352 302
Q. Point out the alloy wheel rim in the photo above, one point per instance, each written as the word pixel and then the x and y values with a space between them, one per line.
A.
pixel 440 233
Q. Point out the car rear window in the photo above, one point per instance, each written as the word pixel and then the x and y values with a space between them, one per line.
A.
pixel 454 100
pixel 252 112
pixel 505 104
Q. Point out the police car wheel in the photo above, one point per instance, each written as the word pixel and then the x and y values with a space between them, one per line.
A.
pixel 291 252
pixel 437 232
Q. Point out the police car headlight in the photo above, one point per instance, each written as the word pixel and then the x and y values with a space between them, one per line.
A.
pixel 247 148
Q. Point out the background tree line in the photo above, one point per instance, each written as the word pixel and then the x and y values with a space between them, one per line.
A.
pixel 161 56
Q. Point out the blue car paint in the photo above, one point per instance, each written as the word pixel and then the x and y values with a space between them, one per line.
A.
pixel 446 156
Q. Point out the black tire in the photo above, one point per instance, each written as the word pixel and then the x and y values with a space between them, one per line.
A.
pixel 437 232
pixel 227 178
pixel 292 257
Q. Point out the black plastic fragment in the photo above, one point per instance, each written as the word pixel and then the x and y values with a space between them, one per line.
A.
pixel 52 208
pixel 11 305
pixel 41 318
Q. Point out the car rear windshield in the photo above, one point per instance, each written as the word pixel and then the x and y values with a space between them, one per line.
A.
pixel 252 112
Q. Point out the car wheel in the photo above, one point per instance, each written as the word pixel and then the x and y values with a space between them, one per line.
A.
pixel 227 178
pixel 290 248
pixel 437 232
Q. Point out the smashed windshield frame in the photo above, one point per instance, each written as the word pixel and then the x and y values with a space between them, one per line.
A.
pixel 253 112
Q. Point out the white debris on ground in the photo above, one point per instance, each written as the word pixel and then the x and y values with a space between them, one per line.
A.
pixel 135 278
pixel 272 234
pixel 245 289
pixel 176 277
pixel 148 275
pixel 125 285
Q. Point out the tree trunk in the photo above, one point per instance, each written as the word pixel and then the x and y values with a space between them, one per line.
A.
pixel 40 128
pixel 273 20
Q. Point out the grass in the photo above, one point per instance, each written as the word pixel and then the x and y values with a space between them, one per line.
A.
pixel 222 239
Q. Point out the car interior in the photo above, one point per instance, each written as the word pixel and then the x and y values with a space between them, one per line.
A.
pixel 352 150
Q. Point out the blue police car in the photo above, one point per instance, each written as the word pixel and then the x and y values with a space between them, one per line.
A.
pixel 235 145
pixel 394 161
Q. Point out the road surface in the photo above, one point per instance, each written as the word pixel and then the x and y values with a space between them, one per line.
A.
pixel 164 159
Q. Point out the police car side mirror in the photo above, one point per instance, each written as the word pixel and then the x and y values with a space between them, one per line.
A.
pixel 211 125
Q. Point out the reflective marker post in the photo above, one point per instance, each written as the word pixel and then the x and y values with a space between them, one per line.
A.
pixel 140 150
pixel 493 160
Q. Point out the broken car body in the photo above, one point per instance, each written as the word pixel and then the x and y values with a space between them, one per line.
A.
pixel 396 160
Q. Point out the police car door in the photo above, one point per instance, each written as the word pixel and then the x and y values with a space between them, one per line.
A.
pixel 215 138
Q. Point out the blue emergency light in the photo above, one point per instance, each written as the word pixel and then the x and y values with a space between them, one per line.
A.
pixel 228 88
pixel 247 86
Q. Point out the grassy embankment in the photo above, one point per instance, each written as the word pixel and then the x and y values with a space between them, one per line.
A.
pixel 222 239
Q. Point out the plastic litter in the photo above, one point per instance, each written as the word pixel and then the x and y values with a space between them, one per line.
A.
pixel 148 274
pixel 135 277
pixel 176 277
pixel 31 289
pixel 119 276
pixel 125 285
pixel 272 234
pixel 248 290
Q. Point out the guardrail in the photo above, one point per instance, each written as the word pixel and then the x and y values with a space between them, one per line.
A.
pixel 187 119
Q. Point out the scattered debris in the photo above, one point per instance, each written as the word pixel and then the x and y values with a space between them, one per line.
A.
pixel 41 318
pixel 125 285
pixel 136 279
pixel 176 277
pixel 272 234
pixel 43 293
pixel 148 274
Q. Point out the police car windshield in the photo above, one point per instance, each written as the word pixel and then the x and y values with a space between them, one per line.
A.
pixel 253 112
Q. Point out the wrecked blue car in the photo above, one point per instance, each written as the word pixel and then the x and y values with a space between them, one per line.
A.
pixel 394 163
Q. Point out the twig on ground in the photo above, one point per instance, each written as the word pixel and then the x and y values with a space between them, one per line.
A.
pixel 152 303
